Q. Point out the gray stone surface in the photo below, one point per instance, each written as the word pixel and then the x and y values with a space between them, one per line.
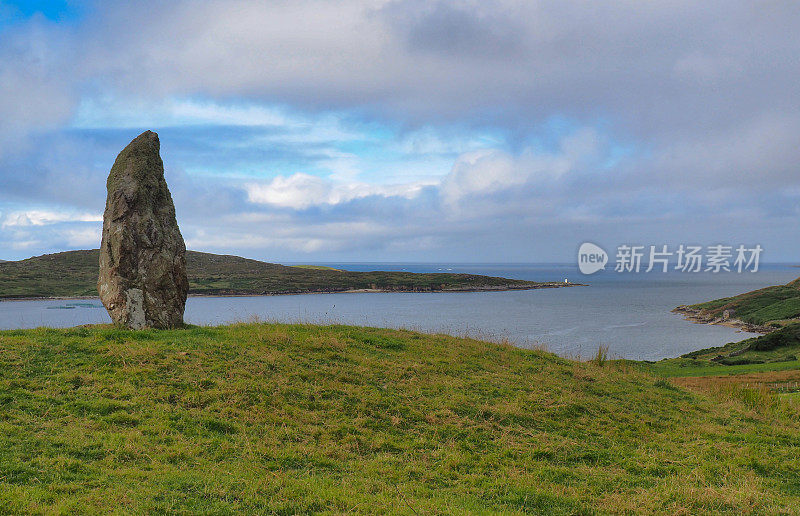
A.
pixel 142 279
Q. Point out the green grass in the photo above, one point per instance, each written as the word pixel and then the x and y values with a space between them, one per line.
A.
pixel 761 307
pixel 286 419
pixel 780 345
pixel 682 367
pixel 74 273
pixel 784 309
pixel 772 309
pixel 776 351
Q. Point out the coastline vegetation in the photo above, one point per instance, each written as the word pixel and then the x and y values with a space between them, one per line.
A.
pixel 774 311
pixel 774 306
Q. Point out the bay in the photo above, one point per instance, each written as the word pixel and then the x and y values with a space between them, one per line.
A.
pixel 628 313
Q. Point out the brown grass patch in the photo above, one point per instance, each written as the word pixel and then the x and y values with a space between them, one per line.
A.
pixel 773 380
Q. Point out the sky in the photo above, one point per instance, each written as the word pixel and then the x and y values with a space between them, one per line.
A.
pixel 408 130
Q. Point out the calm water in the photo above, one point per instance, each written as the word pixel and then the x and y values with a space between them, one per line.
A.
pixel 629 313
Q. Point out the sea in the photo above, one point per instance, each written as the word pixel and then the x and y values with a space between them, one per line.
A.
pixel 627 313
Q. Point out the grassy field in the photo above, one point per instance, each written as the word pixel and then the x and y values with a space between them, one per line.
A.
pixel 316 267
pixel 779 381
pixel 673 367
pixel 74 273
pixel 776 351
pixel 267 418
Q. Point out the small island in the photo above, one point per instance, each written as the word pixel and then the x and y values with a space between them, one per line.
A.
pixel 73 274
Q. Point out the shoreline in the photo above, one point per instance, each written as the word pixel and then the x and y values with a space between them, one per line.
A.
pixel 500 288
pixel 696 316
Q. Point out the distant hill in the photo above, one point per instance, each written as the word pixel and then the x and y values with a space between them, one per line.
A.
pixel 74 273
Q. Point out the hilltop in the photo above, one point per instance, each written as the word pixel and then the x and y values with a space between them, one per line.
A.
pixel 74 274
pixel 287 419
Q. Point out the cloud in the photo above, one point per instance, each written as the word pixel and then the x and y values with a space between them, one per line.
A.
pixel 84 238
pixel 34 94
pixel 373 129
pixel 467 30
pixel 300 191
pixel 488 192
pixel 655 68
pixel 46 217
pixel 761 154
pixel 21 241
pixel 510 61
pixel 482 174
pixel 493 204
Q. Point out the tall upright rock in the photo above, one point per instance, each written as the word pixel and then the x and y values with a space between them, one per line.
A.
pixel 142 257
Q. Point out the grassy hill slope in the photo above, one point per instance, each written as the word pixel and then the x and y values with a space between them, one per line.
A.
pixel 771 310
pixel 771 306
pixel 293 419
pixel 781 345
pixel 74 273
pixel 776 351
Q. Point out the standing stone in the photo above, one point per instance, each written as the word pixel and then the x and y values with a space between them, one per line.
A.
pixel 142 257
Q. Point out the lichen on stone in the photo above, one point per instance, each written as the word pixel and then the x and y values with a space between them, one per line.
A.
pixel 142 280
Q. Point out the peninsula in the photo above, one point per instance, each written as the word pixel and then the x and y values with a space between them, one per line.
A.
pixel 760 311
pixel 772 311
pixel 73 274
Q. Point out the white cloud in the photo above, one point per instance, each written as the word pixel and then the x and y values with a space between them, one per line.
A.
pixel 297 191
pixel 136 111
pixel 300 191
pixel 481 174
pixel 474 174
pixel 293 235
pixel 20 245
pixel 84 238
pixel 46 217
